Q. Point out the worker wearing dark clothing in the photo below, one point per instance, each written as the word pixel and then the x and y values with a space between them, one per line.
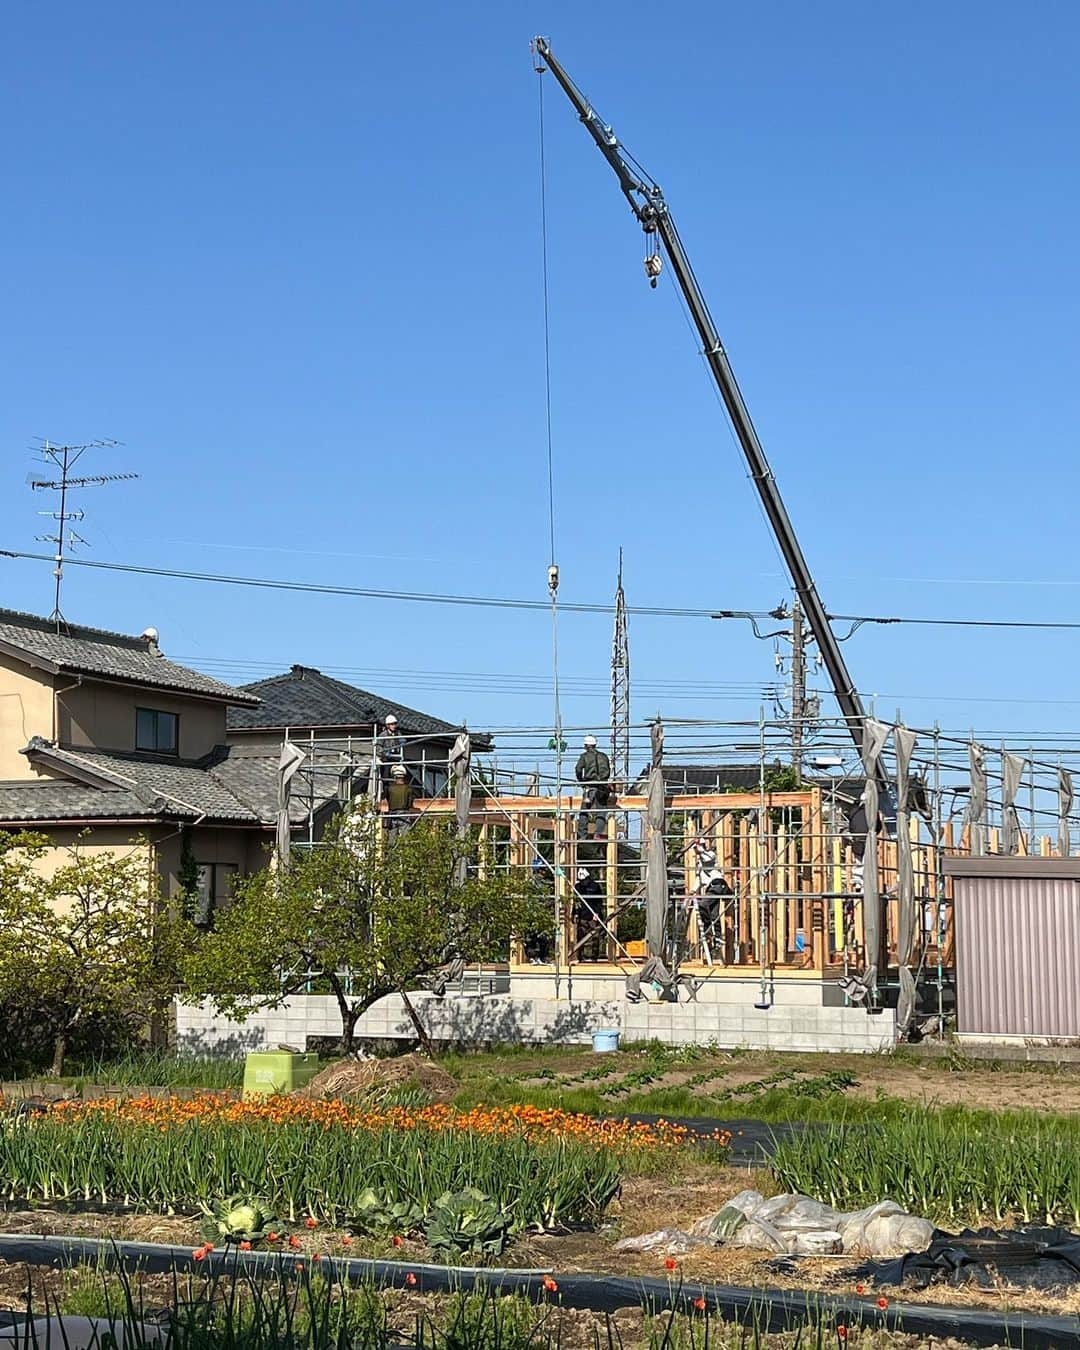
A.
pixel 713 888
pixel 593 772
pixel 399 798
pixel 588 915
pixel 389 750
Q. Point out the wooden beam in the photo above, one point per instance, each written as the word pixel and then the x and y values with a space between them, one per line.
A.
pixel 680 801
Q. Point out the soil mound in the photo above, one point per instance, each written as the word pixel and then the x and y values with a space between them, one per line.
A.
pixel 374 1077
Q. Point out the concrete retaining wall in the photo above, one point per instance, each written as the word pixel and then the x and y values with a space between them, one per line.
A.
pixel 505 1019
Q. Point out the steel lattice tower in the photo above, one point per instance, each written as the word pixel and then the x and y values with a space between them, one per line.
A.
pixel 620 690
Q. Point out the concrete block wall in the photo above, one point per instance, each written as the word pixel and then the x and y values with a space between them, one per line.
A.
pixel 791 991
pixel 505 1019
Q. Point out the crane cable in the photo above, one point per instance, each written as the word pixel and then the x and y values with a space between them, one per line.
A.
pixel 553 567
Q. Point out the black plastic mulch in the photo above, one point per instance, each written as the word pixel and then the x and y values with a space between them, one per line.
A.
pixel 1029 1258
pixel 772 1309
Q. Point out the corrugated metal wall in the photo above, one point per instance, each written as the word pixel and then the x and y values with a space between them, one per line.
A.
pixel 1017 955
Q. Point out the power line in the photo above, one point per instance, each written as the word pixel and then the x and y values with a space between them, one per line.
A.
pixel 502 602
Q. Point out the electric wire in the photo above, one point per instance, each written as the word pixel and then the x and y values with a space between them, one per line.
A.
pixel 502 602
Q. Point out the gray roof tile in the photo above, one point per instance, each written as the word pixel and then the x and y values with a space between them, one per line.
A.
pixel 232 783
pixel 61 799
pixel 305 697
pixel 188 789
pixel 94 651
pixel 251 774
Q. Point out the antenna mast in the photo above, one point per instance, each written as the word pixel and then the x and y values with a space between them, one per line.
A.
pixel 63 458
pixel 620 690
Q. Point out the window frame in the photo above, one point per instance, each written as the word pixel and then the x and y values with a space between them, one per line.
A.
pixel 158 714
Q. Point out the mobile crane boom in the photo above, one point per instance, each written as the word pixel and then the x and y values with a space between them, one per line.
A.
pixel 648 205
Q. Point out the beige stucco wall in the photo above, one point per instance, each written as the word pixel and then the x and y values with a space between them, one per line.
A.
pixel 120 840
pixel 242 847
pixel 103 715
pixel 26 709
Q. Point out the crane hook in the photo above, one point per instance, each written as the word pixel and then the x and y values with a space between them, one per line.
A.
pixel 654 265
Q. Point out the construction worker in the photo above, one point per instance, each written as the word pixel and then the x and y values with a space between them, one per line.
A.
pixel 713 888
pixel 389 749
pixel 593 772
pixel 398 799
pixel 588 914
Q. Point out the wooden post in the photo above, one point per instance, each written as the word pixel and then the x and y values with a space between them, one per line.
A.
pixel 611 884
pixel 784 878
pixel 563 888
pixel 519 858
pixel 752 925
pixel 813 819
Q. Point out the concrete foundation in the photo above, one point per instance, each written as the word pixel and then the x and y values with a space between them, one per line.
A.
pixel 476 1020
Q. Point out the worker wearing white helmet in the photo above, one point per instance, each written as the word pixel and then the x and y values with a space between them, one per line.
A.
pixel 389 749
pixel 588 912
pixel 398 798
pixel 593 772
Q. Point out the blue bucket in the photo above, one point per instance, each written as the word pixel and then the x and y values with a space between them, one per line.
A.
pixel 603 1042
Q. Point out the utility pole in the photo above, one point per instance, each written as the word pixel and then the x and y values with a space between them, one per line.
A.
pixel 62 458
pixel 798 686
pixel 620 690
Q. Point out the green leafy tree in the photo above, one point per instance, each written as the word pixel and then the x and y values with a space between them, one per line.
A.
pixel 89 939
pixel 187 877
pixel 366 914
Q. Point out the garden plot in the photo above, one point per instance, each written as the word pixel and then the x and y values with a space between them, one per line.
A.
pixel 523 1186
pixel 314 1313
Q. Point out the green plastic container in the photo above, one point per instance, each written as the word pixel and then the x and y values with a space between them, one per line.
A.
pixel 270 1071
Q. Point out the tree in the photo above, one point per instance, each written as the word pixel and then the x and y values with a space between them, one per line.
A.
pixel 365 914
pixel 92 940
pixel 187 878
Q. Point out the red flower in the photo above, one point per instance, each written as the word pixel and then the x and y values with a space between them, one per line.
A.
pixel 317 1256
pixel 309 1222
pixel 273 1237
pixel 860 1288
pixel 208 1246
pixel 550 1285
pixel 245 1246
pixel 410 1279
pixel 841 1332
pixel 397 1241
pixel 346 1241
pixel 199 1254
pixel 883 1303
pixel 294 1241
pixel 699 1304
pixel 298 1266
pixel 671 1264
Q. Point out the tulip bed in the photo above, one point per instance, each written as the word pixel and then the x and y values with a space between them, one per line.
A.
pixel 317 1159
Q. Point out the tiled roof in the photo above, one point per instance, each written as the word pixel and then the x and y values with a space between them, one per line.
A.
pixel 305 697
pixel 94 651
pixel 61 799
pixel 250 773
pixel 190 790
pixel 237 784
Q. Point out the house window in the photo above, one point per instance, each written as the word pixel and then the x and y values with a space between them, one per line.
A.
pixel 158 731
pixel 215 889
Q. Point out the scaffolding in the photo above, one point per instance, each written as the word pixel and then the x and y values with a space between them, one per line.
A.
pixel 791 855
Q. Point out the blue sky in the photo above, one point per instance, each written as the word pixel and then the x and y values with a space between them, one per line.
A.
pixel 290 257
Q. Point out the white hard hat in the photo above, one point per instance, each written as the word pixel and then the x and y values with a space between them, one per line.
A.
pixel 590 740
pixel 391 720
pixel 583 874
pixel 398 770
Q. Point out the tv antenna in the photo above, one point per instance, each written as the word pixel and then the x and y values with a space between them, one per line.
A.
pixel 56 476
